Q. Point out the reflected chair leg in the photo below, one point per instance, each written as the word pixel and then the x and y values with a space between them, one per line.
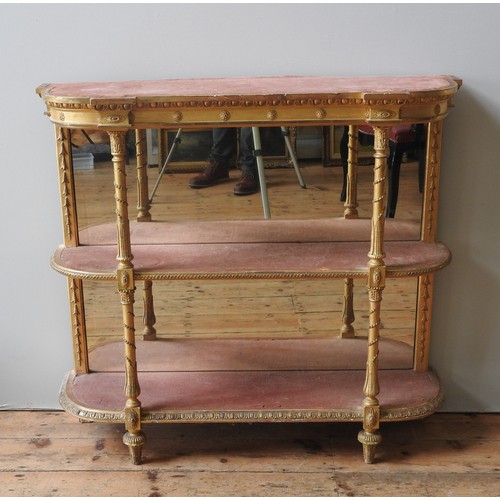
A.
pixel 177 141
pixel 260 169
pixel 286 135
pixel 343 158
pixel 395 159
pixel 420 132
pixel 148 318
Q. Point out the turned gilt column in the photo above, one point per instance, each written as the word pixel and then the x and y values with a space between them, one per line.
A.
pixel 134 437
pixel 143 204
pixel 350 212
pixel 370 436
pixel 351 201
pixel 144 215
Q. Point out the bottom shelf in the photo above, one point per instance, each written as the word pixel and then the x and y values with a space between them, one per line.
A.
pixel 255 390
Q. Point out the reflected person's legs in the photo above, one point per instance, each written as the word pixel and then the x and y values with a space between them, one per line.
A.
pixel 217 170
pixel 249 180
pixel 224 147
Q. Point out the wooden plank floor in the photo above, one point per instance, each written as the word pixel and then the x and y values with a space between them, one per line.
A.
pixel 46 453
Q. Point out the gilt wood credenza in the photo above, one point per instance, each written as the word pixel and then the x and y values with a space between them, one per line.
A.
pixel 139 381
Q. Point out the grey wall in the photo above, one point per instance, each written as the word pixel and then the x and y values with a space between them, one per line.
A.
pixel 43 43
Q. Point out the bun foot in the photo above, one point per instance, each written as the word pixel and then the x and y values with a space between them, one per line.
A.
pixel 369 440
pixel 134 443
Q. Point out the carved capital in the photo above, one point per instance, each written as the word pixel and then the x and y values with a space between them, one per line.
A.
pixel 381 138
pixel 117 142
pixel 127 296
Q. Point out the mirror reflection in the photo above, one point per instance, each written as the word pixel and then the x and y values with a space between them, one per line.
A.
pixel 269 309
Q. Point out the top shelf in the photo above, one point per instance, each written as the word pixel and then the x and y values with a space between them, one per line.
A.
pixel 249 101
pixel 281 87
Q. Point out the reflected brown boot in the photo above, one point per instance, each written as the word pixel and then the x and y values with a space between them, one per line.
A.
pixel 248 183
pixel 214 173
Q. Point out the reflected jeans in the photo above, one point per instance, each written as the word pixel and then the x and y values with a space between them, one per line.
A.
pixel 224 147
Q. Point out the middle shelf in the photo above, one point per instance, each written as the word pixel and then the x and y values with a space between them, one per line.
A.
pixel 251 249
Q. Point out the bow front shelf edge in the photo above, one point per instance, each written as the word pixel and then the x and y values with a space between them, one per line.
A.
pixel 346 378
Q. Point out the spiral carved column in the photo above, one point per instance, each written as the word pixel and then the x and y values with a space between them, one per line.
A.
pixel 144 215
pixel 369 436
pixel 133 438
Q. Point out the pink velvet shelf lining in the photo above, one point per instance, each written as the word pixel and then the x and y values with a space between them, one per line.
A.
pixel 412 393
pixel 252 380
pixel 251 249
pixel 281 86
pixel 177 355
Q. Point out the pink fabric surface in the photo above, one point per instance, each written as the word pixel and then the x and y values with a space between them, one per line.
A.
pixel 247 390
pixel 256 258
pixel 253 354
pixel 263 86
pixel 251 231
